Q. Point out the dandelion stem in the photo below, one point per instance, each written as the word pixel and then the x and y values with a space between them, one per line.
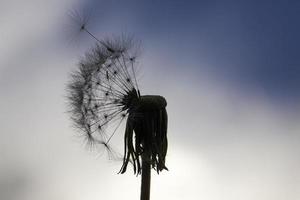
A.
pixel 146 177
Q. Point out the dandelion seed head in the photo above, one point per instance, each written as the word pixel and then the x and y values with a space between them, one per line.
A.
pixel 103 92
pixel 99 86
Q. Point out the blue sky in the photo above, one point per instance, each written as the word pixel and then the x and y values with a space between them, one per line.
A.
pixel 252 44
pixel 228 69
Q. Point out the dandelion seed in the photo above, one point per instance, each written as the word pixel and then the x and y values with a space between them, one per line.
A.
pixel 76 25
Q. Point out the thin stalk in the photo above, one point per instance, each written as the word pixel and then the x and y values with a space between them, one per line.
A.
pixel 146 177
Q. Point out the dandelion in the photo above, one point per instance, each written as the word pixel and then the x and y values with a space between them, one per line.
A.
pixel 103 93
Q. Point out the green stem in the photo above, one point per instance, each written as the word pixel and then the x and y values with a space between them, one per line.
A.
pixel 146 177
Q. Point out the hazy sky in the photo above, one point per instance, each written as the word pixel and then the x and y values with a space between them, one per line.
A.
pixel 230 71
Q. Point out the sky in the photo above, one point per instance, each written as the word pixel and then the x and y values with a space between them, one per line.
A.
pixel 229 70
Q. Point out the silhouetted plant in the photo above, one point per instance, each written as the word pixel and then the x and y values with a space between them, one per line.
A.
pixel 103 92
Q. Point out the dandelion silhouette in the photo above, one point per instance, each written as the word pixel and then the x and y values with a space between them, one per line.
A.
pixel 103 93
